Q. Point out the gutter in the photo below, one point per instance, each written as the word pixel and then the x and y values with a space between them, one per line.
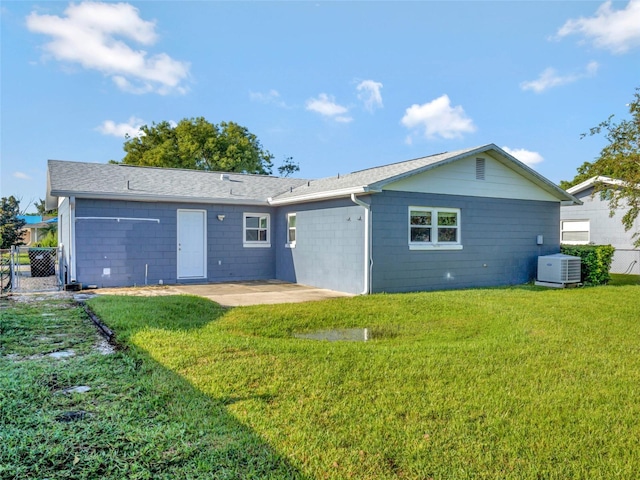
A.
pixel 231 200
pixel 72 239
pixel 322 195
pixel 367 243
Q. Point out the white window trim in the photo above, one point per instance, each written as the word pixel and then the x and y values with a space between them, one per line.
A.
pixel 434 230
pixel 291 244
pixel 575 220
pixel 256 243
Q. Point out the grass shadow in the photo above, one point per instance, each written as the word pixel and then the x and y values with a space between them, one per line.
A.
pixel 140 419
pixel 211 442
pixel 620 280
pixel 130 314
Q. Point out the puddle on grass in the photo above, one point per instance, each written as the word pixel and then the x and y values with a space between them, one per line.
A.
pixel 338 335
pixel 78 389
pixel 353 334
pixel 62 354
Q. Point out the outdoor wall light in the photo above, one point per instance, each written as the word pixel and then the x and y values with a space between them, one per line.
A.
pixel 221 217
pixel 539 240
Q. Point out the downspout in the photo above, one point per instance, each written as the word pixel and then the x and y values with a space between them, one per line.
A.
pixel 72 239
pixel 367 243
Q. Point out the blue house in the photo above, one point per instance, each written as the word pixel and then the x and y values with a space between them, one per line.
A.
pixel 469 218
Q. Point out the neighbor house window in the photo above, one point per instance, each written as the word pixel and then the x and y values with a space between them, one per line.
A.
pixel 574 232
pixel 431 227
pixel 256 230
pixel 291 230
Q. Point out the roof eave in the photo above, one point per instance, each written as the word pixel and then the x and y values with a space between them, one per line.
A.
pixel 591 182
pixel 325 195
pixel 536 178
pixel 158 198
pixel 50 200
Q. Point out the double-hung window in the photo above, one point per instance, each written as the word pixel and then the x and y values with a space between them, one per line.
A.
pixel 291 230
pixel 256 230
pixel 574 232
pixel 434 227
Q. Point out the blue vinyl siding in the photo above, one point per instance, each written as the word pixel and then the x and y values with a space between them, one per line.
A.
pixel 498 238
pixel 126 248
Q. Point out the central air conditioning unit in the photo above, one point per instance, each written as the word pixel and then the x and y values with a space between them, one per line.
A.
pixel 558 270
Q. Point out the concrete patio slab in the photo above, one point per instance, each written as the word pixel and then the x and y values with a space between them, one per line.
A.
pixel 235 294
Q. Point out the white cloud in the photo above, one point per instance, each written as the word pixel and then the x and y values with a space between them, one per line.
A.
pixel 92 35
pixel 550 78
pixel 120 130
pixel 614 30
pixel 326 106
pixel 369 94
pixel 271 97
pixel 525 156
pixel 22 176
pixel 438 118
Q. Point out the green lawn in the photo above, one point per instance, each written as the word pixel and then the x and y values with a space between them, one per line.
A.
pixel 141 420
pixel 493 383
pixel 617 279
pixel 513 383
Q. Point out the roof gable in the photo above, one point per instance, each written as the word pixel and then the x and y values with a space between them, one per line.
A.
pixel 479 175
pixel 378 178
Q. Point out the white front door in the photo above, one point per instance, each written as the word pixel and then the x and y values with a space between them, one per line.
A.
pixel 192 244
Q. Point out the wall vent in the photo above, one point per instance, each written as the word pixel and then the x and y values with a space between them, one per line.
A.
pixel 480 168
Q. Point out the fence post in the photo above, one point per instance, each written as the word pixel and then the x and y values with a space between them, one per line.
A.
pixel 60 267
pixel 12 275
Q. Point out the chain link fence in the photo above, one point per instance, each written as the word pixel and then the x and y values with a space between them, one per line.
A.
pixel 5 271
pixel 626 261
pixel 35 269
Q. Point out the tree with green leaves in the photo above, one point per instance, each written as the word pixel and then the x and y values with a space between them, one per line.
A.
pixel 195 143
pixel 288 167
pixel 41 209
pixel 620 160
pixel 10 224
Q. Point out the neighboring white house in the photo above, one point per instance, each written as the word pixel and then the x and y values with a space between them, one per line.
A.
pixel 591 223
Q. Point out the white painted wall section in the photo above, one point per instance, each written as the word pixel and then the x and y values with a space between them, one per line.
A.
pixel 459 178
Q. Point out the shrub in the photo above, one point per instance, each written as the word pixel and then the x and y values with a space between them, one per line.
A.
pixel 596 261
pixel 49 240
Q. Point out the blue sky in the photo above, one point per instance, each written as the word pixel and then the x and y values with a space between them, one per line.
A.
pixel 338 86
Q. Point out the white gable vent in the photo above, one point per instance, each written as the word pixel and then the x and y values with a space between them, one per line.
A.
pixel 558 270
pixel 480 168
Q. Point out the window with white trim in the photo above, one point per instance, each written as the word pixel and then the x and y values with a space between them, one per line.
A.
pixel 574 232
pixel 256 230
pixel 291 229
pixel 434 227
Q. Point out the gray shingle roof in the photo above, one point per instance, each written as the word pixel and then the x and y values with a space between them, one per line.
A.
pixel 373 179
pixel 97 180
pixel 366 180
pixel 124 181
